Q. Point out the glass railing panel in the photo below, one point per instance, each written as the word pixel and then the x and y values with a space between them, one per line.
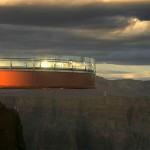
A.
pixel 59 57
pixel 29 64
pixel 66 58
pixel 5 64
pixel 52 62
pixel 46 57
pixel 59 65
pixel 18 64
pixel 47 64
pixel 65 66
pixel 92 60
pixel 37 64
pixel 79 65
pixel 88 67
pixel 86 60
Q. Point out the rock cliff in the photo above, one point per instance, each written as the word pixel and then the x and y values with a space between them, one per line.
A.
pixel 99 122
pixel 11 137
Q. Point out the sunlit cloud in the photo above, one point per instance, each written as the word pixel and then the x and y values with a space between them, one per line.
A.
pixel 138 76
pixel 62 2
pixel 135 28
pixel 47 2
pixel 111 71
pixel 123 1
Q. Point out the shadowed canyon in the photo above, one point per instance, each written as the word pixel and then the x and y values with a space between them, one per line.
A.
pixel 114 116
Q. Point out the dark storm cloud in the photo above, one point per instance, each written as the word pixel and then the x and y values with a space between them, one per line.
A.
pixel 55 40
pixel 30 39
pixel 132 57
pixel 93 15
pixel 76 31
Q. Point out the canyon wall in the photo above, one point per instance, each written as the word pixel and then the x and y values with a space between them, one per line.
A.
pixel 58 120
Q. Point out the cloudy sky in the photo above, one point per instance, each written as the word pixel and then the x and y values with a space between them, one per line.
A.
pixel 114 32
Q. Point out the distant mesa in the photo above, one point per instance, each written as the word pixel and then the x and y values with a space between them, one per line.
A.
pixel 53 71
pixel 122 87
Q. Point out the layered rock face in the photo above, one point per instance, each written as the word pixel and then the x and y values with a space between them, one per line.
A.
pixel 59 121
pixel 11 137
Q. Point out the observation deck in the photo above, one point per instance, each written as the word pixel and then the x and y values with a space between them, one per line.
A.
pixel 51 71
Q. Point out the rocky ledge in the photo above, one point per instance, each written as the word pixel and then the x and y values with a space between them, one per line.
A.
pixel 11 136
